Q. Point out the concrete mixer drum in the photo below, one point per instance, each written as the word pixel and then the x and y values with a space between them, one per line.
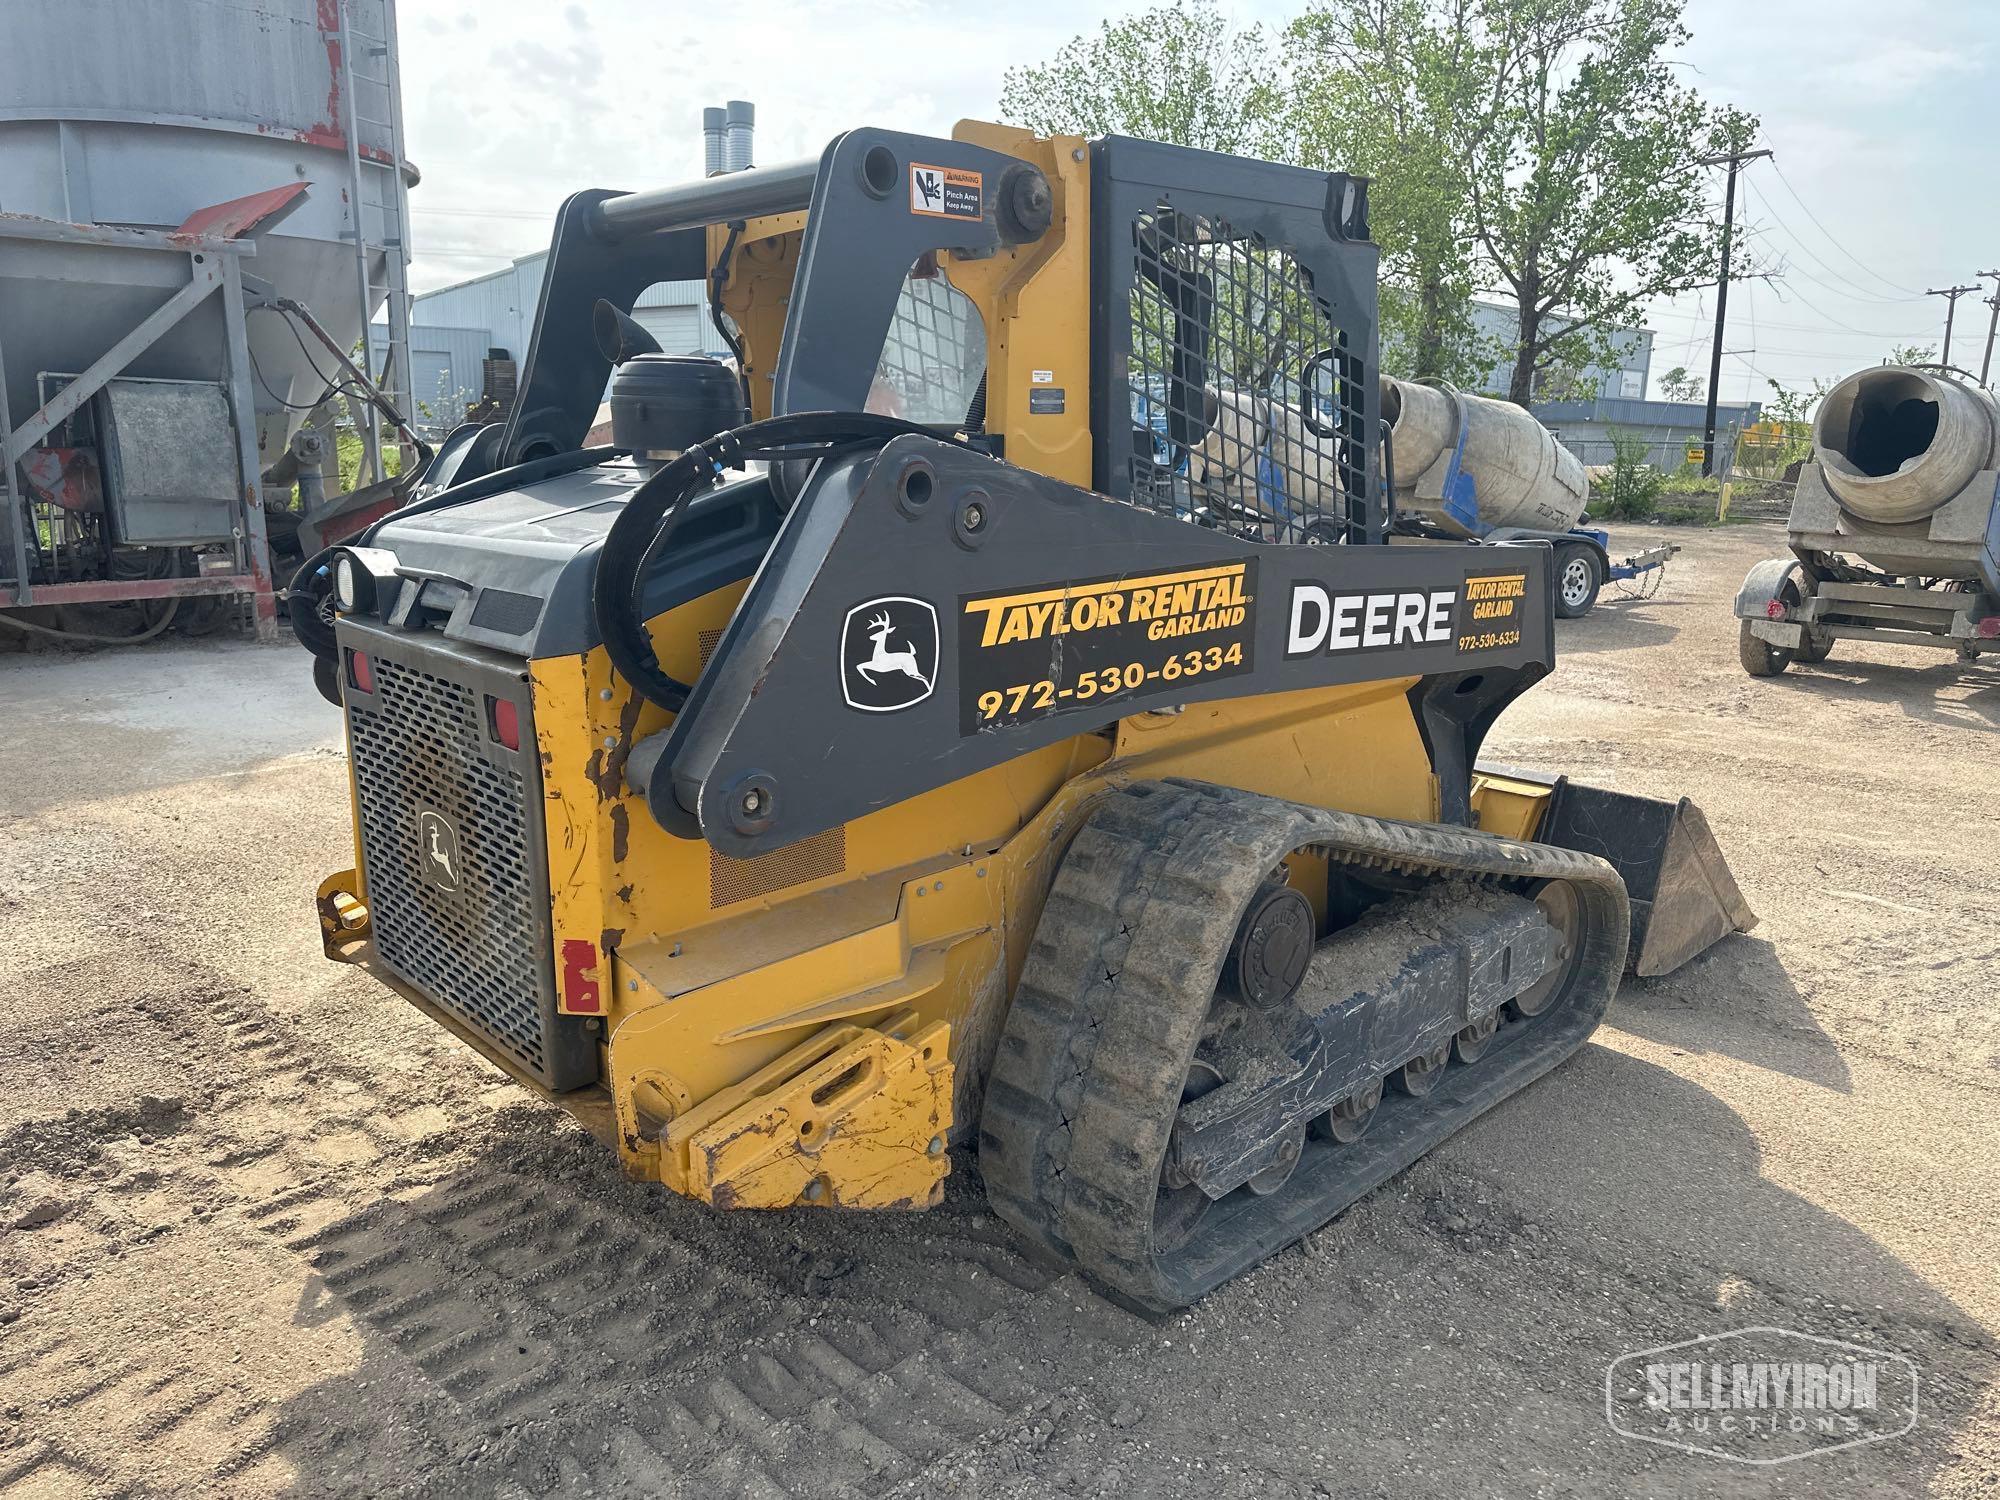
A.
pixel 1894 529
pixel 1473 469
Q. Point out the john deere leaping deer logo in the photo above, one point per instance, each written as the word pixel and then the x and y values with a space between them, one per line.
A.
pixel 888 654
pixel 437 851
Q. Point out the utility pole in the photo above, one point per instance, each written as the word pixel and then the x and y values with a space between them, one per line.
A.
pixel 1951 294
pixel 1734 160
pixel 1992 323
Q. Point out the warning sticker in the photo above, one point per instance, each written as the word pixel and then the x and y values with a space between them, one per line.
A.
pixel 945 192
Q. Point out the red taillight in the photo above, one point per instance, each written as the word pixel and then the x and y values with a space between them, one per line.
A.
pixel 1776 609
pixel 1988 628
pixel 506 721
pixel 361 671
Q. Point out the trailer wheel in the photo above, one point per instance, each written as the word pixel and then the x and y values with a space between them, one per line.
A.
pixel 1579 575
pixel 1759 657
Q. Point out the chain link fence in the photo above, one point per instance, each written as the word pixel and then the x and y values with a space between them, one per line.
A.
pixel 1653 476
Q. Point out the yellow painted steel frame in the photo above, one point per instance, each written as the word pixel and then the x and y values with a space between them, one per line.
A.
pixel 748 1056
pixel 811 1026
pixel 1034 301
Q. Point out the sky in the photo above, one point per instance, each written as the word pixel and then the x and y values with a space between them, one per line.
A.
pixel 1882 118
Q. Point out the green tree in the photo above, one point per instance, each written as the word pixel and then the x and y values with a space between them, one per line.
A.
pixel 1678 385
pixel 1547 146
pixel 1581 168
pixel 1178 72
pixel 1792 405
pixel 1377 87
pixel 1630 489
pixel 1913 354
pixel 1791 408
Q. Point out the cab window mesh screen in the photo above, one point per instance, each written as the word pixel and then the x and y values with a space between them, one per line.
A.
pixel 1247 407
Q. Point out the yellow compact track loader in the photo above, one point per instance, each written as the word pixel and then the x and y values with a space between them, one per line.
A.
pixel 977 713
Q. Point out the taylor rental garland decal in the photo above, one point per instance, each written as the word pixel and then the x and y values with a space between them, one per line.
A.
pixel 1490 614
pixel 1029 653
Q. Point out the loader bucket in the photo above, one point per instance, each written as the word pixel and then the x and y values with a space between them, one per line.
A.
pixel 1683 897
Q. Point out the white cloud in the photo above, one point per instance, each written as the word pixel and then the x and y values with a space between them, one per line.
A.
pixel 1882 120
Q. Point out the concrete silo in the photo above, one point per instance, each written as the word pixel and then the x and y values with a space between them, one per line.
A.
pixel 165 167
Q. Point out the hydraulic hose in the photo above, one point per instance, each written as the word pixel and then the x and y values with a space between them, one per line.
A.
pixel 647 523
pixel 90 638
pixel 169 567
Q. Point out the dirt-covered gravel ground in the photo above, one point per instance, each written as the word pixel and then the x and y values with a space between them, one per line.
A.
pixel 264 1231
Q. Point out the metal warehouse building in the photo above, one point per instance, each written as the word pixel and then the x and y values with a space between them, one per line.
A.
pixel 455 328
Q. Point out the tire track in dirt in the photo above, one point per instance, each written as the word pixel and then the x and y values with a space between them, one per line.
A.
pixel 538 1309
pixel 560 1329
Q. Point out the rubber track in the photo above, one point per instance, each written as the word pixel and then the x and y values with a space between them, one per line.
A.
pixel 1116 987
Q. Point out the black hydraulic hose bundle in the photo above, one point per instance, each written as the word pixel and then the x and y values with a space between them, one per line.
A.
pixel 647 523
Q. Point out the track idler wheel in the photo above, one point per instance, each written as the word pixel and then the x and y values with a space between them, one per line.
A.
pixel 1557 899
pixel 1179 1205
pixel 1273 944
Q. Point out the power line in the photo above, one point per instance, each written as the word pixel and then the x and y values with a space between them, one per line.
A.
pixel 1807 302
pixel 1892 285
pixel 1785 351
pixel 1700 319
pixel 1750 301
pixel 1992 324
pixel 1849 287
pixel 1876 302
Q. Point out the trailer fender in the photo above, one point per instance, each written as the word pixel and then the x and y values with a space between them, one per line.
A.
pixel 1597 541
pixel 1762 586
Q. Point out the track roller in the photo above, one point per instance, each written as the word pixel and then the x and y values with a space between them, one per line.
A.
pixel 1472 1041
pixel 1349 1120
pixel 1420 1075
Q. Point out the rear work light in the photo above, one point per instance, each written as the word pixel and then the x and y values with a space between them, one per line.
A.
pixel 1776 609
pixel 505 718
pixel 361 671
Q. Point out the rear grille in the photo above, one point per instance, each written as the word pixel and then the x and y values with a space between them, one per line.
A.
pixel 479 948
